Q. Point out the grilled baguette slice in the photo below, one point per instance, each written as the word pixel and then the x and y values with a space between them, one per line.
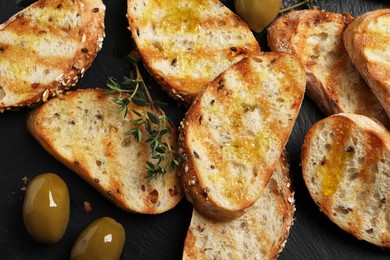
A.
pixel 234 133
pixel 186 44
pixel 346 167
pixel 260 233
pixel 84 130
pixel 316 38
pixel 46 48
pixel 367 41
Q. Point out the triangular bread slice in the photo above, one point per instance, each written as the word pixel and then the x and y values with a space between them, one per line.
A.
pixel 367 40
pixel 333 82
pixel 346 168
pixel 186 44
pixel 235 131
pixel 85 131
pixel 260 233
pixel 46 48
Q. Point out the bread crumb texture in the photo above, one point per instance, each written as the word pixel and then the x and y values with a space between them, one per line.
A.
pixel 237 129
pixel 316 38
pixel 346 167
pixel 46 47
pixel 85 130
pixel 186 44
pixel 259 234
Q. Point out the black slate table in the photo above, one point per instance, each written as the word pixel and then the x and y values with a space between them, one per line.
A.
pixel 313 236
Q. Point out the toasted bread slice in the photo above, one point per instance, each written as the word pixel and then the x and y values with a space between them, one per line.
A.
pixel 346 168
pixel 186 44
pixel 234 133
pixel 46 48
pixel 85 131
pixel 316 38
pixel 367 41
pixel 260 233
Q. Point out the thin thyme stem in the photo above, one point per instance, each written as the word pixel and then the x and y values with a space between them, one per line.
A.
pixel 153 123
pixel 309 2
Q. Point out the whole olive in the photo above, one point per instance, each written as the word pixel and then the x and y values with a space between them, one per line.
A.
pixel 258 14
pixel 46 208
pixel 104 238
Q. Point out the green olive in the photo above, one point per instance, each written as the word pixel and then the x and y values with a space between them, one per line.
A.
pixel 102 239
pixel 258 14
pixel 46 208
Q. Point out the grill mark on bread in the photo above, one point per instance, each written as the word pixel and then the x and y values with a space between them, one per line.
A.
pixel 210 39
pixel 241 112
pixel 93 148
pixel 361 150
pixel 49 35
pixel 316 38
pixel 259 234
pixel 367 41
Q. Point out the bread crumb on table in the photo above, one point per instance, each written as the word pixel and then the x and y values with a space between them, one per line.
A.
pixel 87 207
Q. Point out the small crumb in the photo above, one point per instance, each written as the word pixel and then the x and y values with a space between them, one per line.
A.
pixel 87 207
pixel 24 188
pixel 25 179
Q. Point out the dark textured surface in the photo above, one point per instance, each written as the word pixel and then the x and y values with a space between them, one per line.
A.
pixel 313 236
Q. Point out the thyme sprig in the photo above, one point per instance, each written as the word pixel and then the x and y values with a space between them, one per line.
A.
pixel 310 4
pixel 154 123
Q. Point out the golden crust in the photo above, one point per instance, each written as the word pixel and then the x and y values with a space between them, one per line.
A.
pixel 345 164
pixel 187 44
pixel 79 24
pixel 84 130
pixel 268 222
pixel 367 42
pixel 233 134
pixel 316 38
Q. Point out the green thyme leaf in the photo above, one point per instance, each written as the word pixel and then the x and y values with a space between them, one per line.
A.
pixel 153 128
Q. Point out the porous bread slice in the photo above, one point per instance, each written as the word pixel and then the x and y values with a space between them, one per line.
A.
pixel 46 48
pixel 346 168
pixel 186 44
pixel 235 131
pixel 85 131
pixel 367 41
pixel 260 233
pixel 316 38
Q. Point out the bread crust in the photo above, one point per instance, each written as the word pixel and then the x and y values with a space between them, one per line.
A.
pixel 260 233
pixel 367 44
pixel 230 137
pixel 57 40
pixel 187 44
pixel 84 130
pixel 316 38
pixel 345 165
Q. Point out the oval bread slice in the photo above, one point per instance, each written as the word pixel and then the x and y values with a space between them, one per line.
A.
pixel 260 233
pixel 346 168
pixel 186 44
pixel 235 132
pixel 85 131
pixel 333 82
pixel 46 48
pixel 367 41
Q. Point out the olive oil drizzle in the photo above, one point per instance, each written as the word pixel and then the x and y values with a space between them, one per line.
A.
pixel 331 169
